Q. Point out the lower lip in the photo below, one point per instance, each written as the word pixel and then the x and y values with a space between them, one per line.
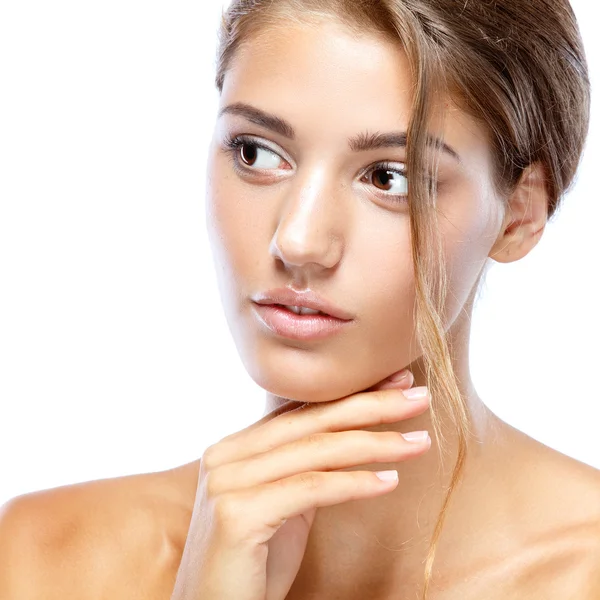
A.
pixel 288 324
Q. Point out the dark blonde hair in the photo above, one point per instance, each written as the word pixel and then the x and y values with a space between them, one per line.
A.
pixel 518 68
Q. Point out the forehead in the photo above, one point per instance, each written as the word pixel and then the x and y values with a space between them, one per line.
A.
pixel 331 83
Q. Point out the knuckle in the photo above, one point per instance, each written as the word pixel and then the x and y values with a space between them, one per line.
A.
pixel 310 480
pixel 388 442
pixel 211 484
pixel 209 458
pixel 280 484
pixel 358 481
pixel 225 509
pixel 314 440
pixel 362 478
pixel 379 395
pixel 360 436
pixel 356 440
pixel 394 439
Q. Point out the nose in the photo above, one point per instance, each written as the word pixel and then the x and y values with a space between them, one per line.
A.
pixel 309 231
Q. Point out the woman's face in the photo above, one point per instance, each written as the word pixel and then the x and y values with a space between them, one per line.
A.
pixel 307 209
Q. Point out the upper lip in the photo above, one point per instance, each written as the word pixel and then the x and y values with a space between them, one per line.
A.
pixel 305 298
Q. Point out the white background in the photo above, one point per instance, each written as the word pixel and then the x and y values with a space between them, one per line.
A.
pixel 115 357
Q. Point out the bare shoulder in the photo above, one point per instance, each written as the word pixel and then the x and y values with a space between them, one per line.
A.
pixel 539 530
pixel 114 538
pixel 564 502
pixel 564 481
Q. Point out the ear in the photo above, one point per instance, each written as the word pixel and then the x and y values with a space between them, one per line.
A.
pixel 526 217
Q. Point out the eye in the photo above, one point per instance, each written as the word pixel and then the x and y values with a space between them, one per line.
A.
pixel 389 179
pixel 249 154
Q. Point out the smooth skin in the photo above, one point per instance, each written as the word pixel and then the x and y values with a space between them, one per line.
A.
pixel 525 520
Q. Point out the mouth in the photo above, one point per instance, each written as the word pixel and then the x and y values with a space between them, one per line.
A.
pixel 302 310
pixel 302 303
pixel 298 323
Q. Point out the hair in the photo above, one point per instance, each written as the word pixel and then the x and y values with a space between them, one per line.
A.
pixel 518 68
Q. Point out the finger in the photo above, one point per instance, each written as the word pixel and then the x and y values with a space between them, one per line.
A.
pixel 403 379
pixel 317 452
pixel 255 512
pixel 365 409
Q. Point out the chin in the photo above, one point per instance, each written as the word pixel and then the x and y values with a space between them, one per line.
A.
pixel 308 384
pixel 321 373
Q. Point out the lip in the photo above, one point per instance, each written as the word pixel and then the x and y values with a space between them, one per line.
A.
pixel 306 298
pixel 288 324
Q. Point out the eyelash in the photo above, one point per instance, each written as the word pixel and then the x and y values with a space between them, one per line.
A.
pixel 234 143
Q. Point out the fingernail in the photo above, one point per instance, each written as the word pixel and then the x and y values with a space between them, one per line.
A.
pixel 417 393
pixel 416 436
pixel 399 376
pixel 387 475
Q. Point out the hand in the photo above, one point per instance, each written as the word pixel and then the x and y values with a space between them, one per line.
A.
pixel 259 489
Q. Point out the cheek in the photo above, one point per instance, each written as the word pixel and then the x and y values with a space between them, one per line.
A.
pixel 391 278
pixel 233 248
pixel 385 289
pixel 232 226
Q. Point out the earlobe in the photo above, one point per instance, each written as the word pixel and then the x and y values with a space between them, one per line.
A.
pixel 526 217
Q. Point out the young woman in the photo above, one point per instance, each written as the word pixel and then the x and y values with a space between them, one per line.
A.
pixel 368 162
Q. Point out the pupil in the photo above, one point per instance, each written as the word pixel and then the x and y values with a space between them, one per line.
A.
pixel 385 178
pixel 245 157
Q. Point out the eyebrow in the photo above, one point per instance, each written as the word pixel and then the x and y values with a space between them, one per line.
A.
pixel 362 142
